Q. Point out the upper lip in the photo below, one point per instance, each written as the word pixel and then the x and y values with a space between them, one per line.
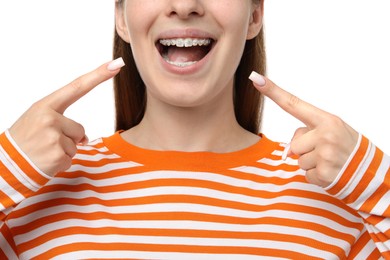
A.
pixel 186 33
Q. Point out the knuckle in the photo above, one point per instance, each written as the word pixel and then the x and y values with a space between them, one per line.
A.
pixel 58 156
pixel 53 139
pixel 326 153
pixel 324 175
pixel 48 120
pixel 334 120
pixel 76 85
pixel 293 101
pixel 37 105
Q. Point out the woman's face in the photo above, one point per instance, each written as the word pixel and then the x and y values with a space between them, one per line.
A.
pixel 187 51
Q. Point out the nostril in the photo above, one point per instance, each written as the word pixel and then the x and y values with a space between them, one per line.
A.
pixel 184 16
pixel 185 9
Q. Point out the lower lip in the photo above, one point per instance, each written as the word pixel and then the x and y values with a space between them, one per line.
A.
pixel 191 69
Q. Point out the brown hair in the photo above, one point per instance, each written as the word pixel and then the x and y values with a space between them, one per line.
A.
pixel 130 96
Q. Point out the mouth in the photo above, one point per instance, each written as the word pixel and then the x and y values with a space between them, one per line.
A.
pixel 184 52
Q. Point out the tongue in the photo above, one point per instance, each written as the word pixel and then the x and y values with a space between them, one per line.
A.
pixel 177 54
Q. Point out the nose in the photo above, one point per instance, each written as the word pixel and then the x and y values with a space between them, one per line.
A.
pixel 185 9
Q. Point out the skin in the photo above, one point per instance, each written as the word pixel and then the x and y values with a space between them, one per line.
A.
pixel 186 112
pixel 192 107
pixel 323 145
pixel 45 135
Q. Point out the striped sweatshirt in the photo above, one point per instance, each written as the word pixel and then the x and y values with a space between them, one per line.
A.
pixel 121 201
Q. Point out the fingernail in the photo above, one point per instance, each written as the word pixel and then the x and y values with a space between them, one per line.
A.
pixel 116 64
pixel 285 152
pixel 257 78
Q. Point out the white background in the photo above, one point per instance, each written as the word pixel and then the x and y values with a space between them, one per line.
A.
pixel 334 54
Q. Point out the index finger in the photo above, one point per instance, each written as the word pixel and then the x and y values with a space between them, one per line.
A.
pixel 308 114
pixel 62 98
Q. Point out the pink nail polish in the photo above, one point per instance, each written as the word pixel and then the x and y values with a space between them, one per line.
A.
pixel 257 78
pixel 116 64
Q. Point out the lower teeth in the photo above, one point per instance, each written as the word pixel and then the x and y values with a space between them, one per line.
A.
pixel 179 64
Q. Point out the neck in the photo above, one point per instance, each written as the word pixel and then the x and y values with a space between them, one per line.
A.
pixel 211 127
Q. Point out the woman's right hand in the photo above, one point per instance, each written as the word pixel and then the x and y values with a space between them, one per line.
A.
pixel 45 135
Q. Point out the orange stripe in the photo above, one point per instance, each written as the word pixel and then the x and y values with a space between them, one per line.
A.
pixel 21 162
pixel 295 239
pixel 191 199
pixel 282 222
pixel 14 183
pixel 2 217
pixel 359 245
pixel 352 167
pixel 378 255
pixel 5 200
pixel 364 182
pixel 174 248
pixel 8 237
pixel 96 164
pixel 166 182
pixel 387 211
pixel 374 220
pixel 2 255
pixel 373 200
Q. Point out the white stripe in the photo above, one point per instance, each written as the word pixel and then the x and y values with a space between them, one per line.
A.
pixel 103 169
pixel 376 229
pixel 93 143
pixel 92 148
pixel 95 157
pixel 358 174
pixel 282 174
pixel 194 191
pixel 7 211
pixel 351 156
pixel 66 240
pixel 10 192
pixel 386 245
pixel 205 176
pixel 271 162
pixel 181 207
pixel 6 248
pixel 85 254
pixel 384 225
pixel 147 176
pixel 185 225
pixel 184 190
pixel 382 246
pixel 373 186
pixel 382 205
pixel 150 176
pixel 16 171
pixel 366 250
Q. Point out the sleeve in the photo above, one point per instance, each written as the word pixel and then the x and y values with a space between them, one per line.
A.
pixel 19 177
pixel 364 185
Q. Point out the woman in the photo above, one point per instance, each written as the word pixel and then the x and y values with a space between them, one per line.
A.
pixel 187 175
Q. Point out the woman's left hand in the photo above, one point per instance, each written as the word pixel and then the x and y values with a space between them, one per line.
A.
pixel 323 145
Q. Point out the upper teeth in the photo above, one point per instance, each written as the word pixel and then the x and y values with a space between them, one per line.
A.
pixel 187 42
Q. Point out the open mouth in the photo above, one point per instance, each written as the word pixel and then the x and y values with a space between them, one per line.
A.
pixel 184 52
